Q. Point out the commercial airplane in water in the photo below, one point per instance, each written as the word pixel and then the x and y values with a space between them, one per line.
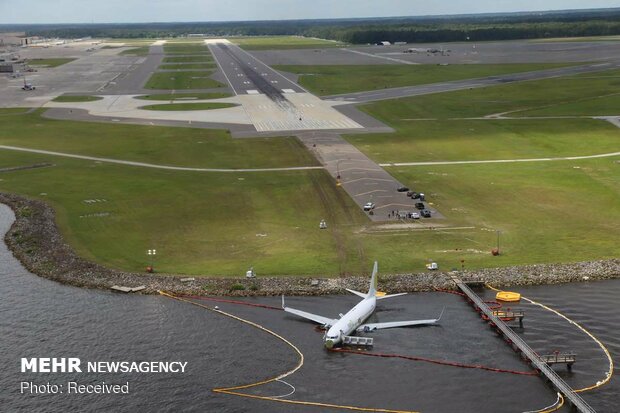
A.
pixel 353 321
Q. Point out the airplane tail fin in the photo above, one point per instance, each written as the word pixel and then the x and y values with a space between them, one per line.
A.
pixel 373 281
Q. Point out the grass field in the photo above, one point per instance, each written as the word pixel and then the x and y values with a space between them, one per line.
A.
pixel 458 140
pixel 513 99
pixel 217 224
pixel 446 136
pixel 189 106
pixel 182 80
pixel 75 98
pixel 184 96
pixel 330 80
pixel 188 66
pixel 186 48
pixel 51 62
pixel 136 51
pixel 188 59
pixel 282 42
pixel 223 223
pixel 220 224
pixel 168 146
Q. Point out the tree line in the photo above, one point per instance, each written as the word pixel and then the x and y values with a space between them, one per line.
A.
pixel 507 26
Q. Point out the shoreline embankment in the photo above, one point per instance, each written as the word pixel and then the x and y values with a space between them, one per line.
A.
pixel 37 243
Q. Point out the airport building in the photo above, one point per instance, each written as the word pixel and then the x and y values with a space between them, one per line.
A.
pixel 16 39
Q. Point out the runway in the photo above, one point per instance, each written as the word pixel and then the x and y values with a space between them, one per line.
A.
pixel 271 101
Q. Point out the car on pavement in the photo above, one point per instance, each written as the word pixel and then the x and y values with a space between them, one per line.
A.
pixel 420 205
pixel 414 215
pixel 414 195
pixel 425 213
pixel 402 189
pixel 369 206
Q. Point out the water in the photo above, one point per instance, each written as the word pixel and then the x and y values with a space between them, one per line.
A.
pixel 41 318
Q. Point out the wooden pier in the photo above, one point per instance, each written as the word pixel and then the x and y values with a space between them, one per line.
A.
pixel 507 315
pixel 560 358
pixel 521 346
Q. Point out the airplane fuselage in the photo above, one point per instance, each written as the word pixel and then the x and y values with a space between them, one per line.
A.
pixel 350 322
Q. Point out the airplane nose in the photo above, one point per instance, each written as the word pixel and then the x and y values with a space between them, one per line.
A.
pixel 329 344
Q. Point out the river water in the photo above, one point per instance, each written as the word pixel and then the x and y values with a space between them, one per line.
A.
pixel 41 318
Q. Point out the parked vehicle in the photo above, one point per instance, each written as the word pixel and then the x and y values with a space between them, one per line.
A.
pixel 420 205
pixel 403 189
pixel 414 215
pixel 369 206
pixel 426 213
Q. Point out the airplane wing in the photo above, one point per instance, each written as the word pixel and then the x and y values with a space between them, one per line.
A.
pixel 395 324
pixel 327 322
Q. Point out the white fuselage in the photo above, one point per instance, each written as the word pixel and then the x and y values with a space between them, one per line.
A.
pixel 349 322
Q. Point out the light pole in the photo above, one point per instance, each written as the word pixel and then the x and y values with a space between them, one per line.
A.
pixel 151 254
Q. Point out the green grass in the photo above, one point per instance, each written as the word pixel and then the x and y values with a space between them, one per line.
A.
pixel 446 140
pixel 188 66
pixel 186 48
pixel 51 62
pixel 511 98
pixel 188 59
pixel 282 42
pixel 217 224
pixel 184 96
pixel 332 80
pixel 137 51
pixel 168 146
pixel 189 106
pixel 182 80
pixel 546 212
pixel 13 111
pixel 74 98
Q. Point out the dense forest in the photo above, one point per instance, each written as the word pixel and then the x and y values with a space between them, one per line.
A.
pixel 596 22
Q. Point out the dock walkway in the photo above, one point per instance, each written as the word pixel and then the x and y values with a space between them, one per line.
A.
pixel 558 383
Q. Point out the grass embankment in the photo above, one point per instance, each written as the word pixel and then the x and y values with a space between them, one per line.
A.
pixel 331 80
pixel 49 63
pixel 13 111
pixel 83 98
pixel 188 59
pixel 213 223
pixel 188 66
pixel 137 51
pixel 186 48
pixel 546 211
pixel 184 96
pixel 282 42
pixel 451 138
pixel 160 145
pixel 182 80
pixel 189 106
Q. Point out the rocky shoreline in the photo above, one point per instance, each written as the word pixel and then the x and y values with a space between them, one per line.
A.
pixel 36 241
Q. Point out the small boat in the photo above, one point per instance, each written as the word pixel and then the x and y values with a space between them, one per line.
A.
pixel 507 296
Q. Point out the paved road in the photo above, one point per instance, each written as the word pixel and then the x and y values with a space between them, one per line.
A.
pixel 361 178
pixel 154 166
pixel 395 93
